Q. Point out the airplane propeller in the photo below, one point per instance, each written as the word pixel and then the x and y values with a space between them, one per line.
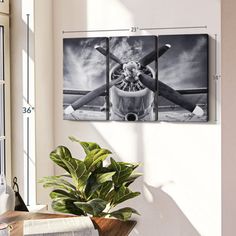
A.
pixel 91 96
pixel 100 90
pixel 164 90
pixel 149 58
pixel 106 53
pixel 170 94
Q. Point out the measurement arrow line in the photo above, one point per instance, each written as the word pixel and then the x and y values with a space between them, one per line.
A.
pixel 28 158
pixel 177 27
pixel 27 41
pixel 216 77
pixel 28 98
pixel 92 31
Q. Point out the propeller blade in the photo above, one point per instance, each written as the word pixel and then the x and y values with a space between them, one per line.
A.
pixel 170 94
pixel 146 60
pixel 106 52
pixel 162 50
pixel 90 96
pixel 175 97
pixel 149 58
pixel 148 82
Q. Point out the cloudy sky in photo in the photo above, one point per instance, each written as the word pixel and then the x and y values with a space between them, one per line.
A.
pixel 185 64
pixel 84 67
pixel 132 48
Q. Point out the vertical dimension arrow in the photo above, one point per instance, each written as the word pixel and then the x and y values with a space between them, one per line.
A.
pixel 217 78
pixel 27 128
pixel 28 120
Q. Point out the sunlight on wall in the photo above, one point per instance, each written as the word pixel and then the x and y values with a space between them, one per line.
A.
pixel 114 10
pixel 189 157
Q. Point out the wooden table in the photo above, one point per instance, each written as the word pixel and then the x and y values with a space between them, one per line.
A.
pixel 106 227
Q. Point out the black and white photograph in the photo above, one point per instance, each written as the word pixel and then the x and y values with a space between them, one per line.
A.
pixel 183 78
pixel 86 74
pixel 133 64
pixel 117 78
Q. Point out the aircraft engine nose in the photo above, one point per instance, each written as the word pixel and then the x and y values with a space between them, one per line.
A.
pixel 131 70
pixel 131 117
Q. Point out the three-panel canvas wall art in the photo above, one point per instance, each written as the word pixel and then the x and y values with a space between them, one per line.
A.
pixel 136 78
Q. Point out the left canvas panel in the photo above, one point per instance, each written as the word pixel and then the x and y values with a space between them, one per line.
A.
pixel 85 72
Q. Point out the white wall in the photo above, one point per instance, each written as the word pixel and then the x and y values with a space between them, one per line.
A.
pixel 44 93
pixel 181 162
pixel 181 187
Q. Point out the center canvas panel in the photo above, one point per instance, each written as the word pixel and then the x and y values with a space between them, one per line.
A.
pixel 133 65
pixel 85 79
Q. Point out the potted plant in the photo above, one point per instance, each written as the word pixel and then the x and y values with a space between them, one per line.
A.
pixel 90 187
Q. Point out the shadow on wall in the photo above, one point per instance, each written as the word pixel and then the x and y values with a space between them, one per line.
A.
pixel 160 215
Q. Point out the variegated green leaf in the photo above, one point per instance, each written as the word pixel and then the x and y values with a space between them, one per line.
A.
pixel 124 194
pixel 66 206
pixel 132 178
pixel 61 194
pixel 94 157
pixel 91 185
pixel 87 146
pixel 104 190
pixel 78 172
pixel 124 213
pixel 93 207
pixel 47 178
pixel 75 167
pixel 101 178
pixel 132 165
pixel 60 155
pixel 111 195
pixel 96 181
pixel 123 172
pixel 57 182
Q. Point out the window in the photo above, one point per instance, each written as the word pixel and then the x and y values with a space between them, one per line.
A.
pixel 2 105
pixel 5 150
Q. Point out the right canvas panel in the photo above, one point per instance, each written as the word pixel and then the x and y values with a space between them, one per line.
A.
pixel 183 78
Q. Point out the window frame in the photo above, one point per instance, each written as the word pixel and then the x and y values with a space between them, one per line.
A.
pixel 4 22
